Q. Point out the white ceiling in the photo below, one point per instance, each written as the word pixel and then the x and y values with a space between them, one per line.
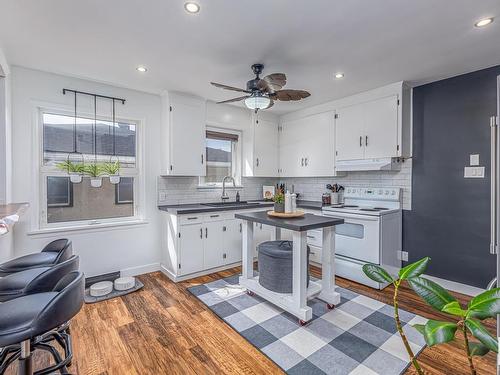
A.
pixel 372 42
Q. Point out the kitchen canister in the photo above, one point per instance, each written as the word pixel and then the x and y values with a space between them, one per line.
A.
pixel 335 198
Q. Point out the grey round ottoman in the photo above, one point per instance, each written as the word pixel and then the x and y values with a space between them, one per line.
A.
pixel 275 265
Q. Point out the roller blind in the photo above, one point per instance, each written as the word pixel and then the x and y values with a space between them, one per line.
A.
pixel 222 136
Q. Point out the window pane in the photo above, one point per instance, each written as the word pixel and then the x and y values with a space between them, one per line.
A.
pixel 219 159
pixel 125 190
pixel 58 139
pixel 88 203
pixel 59 192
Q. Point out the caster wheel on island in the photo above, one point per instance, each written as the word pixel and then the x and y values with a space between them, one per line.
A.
pixel 302 322
pixel 250 293
pixel 330 306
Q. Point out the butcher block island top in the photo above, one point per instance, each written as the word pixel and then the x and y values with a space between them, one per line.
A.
pixel 299 224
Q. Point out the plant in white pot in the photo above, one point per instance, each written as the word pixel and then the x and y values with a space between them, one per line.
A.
pixel 94 171
pixel 112 169
pixel 75 170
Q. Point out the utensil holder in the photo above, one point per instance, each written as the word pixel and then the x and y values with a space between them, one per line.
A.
pixel 335 198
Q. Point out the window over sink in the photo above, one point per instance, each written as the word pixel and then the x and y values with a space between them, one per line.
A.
pixel 223 155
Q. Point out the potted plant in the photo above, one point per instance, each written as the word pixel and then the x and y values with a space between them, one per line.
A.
pixel 483 306
pixel 75 170
pixel 112 169
pixel 279 202
pixel 94 170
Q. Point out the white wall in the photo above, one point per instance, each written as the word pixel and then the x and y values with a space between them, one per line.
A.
pixel 136 248
pixel 5 129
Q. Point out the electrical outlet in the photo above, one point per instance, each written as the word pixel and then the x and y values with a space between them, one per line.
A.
pixel 403 255
pixel 163 196
pixel 473 172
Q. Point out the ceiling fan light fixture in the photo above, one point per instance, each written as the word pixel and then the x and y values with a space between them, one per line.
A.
pixel 257 102
pixel 339 75
pixel 191 7
pixel 141 69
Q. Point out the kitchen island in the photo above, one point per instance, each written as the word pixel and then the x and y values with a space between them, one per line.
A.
pixel 296 302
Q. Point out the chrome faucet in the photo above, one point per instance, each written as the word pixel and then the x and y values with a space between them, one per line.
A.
pixel 224 194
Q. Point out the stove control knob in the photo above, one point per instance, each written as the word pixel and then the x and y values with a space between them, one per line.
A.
pixel 393 192
pixel 387 192
pixel 381 192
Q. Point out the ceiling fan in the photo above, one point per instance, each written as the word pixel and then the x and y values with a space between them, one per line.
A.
pixel 262 92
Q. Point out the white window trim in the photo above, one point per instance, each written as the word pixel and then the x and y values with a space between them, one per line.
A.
pixel 238 154
pixel 39 222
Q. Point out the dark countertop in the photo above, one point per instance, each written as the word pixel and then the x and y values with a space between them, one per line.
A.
pixel 300 224
pixel 196 208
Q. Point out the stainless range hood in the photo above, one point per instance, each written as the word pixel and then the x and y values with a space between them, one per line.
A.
pixel 382 164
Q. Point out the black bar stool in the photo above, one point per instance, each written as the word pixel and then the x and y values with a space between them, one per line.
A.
pixel 34 321
pixel 55 252
pixel 35 280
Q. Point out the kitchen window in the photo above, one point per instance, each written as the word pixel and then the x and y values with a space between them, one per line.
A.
pixel 65 204
pixel 223 157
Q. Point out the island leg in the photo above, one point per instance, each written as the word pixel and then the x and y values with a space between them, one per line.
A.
pixel 328 293
pixel 248 250
pixel 276 234
pixel 299 295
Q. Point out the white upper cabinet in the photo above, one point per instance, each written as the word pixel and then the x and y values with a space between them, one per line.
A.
pixel 368 130
pixel 183 131
pixel 265 158
pixel 307 147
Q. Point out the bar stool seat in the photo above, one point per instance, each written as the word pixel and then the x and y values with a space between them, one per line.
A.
pixel 35 280
pixel 55 252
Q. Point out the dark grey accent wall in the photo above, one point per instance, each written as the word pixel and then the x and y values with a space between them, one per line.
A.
pixel 450 216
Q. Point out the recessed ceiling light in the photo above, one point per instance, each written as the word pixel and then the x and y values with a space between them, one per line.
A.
pixel 339 75
pixel 484 22
pixel 142 69
pixel 191 7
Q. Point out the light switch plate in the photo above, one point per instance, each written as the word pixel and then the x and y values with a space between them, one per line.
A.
pixel 474 172
pixel 474 160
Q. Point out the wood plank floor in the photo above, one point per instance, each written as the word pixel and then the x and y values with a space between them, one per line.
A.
pixel 163 329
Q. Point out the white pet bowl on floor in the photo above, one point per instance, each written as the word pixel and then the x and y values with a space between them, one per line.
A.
pixel 101 288
pixel 124 283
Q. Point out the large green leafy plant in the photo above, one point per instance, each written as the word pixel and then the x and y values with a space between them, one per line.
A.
pixel 468 320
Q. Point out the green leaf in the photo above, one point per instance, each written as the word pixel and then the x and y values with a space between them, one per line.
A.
pixel 476 348
pixel 430 292
pixel 436 332
pixel 414 269
pixel 485 305
pixel 377 273
pixel 482 334
pixel 454 308
pixel 420 328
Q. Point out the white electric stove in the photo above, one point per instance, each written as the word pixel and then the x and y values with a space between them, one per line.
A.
pixel 371 233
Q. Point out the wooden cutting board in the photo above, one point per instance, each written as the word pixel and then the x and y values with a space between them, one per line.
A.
pixel 297 213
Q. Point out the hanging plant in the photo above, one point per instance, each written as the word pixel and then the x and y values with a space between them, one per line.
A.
pixel 94 171
pixel 112 169
pixel 74 170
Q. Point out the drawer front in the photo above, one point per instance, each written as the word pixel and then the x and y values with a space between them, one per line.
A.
pixel 315 238
pixel 315 254
pixel 217 216
pixel 190 219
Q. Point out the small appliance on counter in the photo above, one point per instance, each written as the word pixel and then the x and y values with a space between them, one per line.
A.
pixel 268 192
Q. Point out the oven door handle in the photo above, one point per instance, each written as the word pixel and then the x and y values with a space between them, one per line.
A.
pixel 360 218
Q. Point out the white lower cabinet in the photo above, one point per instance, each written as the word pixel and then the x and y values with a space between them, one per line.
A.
pixel 232 241
pixel 191 241
pixel 213 244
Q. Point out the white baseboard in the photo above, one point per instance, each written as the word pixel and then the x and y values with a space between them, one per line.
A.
pixel 456 287
pixel 176 278
pixel 139 270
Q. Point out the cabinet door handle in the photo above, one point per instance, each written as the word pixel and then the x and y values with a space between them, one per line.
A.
pixel 192 218
pixel 366 140
pixel 201 232
pixel 224 228
pixel 306 161
pixel 257 162
pixel 202 158
pixel 206 232
pixel 360 141
pixel 241 227
pixel 214 215
pixel 302 162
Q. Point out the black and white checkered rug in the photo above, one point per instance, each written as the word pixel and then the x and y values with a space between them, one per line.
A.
pixel 358 337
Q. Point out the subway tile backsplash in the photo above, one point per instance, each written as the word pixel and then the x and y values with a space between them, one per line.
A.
pixel 182 190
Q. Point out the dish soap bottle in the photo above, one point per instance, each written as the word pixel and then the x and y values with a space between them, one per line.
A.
pixel 288 202
pixel 237 196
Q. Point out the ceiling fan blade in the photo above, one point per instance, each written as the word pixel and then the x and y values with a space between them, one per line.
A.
pixel 287 95
pixel 220 85
pixel 234 100
pixel 272 82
